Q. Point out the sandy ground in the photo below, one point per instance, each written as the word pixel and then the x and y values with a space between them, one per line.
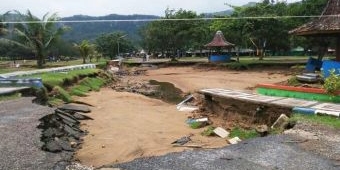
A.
pixel 128 126
pixel 189 79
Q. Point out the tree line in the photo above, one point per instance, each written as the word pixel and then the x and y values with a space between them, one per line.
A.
pixel 262 26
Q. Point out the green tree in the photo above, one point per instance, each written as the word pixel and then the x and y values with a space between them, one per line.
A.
pixel 109 44
pixel 85 49
pixel 39 35
pixel 171 36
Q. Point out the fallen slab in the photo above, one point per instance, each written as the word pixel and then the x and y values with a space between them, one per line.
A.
pixel 75 108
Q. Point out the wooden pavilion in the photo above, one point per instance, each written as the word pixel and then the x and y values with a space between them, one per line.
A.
pixel 219 43
pixel 327 25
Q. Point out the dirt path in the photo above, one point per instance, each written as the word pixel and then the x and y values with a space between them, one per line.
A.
pixel 128 126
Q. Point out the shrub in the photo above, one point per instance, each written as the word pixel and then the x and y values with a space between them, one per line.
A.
pixel 293 81
pixel 243 133
pixel 332 83
pixel 209 131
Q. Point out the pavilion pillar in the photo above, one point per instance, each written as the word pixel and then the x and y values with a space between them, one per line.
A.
pixel 337 48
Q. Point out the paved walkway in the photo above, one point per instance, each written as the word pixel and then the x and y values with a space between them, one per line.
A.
pixel 282 101
pixel 7 90
pixel 10 89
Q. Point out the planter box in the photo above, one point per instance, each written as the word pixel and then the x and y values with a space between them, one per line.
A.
pixel 297 92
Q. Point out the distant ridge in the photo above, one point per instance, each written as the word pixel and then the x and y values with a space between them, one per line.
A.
pixel 90 31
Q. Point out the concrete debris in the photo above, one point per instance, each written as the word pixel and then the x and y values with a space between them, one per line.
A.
pixel 234 140
pixel 182 140
pixel 184 108
pixel 281 122
pixel 75 108
pixel 61 131
pixel 262 130
pixel 221 132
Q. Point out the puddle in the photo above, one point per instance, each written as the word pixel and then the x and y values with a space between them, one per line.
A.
pixel 167 92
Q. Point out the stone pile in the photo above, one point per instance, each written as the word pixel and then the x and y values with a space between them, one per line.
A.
pixel 61 129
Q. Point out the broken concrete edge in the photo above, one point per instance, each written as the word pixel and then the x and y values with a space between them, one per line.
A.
pixel 61 131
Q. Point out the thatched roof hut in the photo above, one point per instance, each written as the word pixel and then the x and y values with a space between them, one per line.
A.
pixel 328 24
pixel 219 41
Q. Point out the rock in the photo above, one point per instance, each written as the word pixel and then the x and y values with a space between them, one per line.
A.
pixel 73 144
pixel 53 146
pixel 262 130
pixel 182 140
pixel 281 122
pixel 234 140
pixel 79 116
pixel 109 169
pixel 75 108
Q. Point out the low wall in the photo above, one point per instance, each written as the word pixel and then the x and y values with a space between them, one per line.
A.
pixel 57 69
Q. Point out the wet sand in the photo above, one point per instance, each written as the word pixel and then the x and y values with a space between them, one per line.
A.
pixel 128 126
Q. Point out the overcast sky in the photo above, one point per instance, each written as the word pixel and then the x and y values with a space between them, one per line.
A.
pixel 66 8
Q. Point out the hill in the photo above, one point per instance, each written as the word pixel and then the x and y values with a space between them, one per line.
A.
pixel 96 26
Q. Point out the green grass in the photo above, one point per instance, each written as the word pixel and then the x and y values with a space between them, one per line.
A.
pixel 62 79
pixel 243 133
pixel 86 85
pixel 209 131
pixel 319 119
pixel 62 94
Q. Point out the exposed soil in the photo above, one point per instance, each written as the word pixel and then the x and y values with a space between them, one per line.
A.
pixel 229 113
pixel 128 126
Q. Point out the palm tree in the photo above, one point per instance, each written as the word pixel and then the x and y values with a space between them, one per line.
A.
pixel 38 35
pixel 85 49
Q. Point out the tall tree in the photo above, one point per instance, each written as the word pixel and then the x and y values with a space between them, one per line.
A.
pixel 171 35
pixel 85 49
pixel 39 35
pixel 109 44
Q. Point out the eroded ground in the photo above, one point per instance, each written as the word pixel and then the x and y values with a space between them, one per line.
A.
pixel 128 126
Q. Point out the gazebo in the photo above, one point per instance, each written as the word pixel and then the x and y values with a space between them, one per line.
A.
pixel 327 25
pixel 219 43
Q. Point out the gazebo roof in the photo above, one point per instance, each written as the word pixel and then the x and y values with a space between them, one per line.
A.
pixel 219 41
pixel 327 23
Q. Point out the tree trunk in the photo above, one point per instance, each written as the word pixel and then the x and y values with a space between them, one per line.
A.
pixel 337 49
pixel 40 62
pixel 84 60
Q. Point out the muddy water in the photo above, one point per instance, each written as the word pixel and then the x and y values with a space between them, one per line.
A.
pixel 167 92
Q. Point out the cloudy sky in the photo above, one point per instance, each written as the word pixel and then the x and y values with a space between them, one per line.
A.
pixel 66 8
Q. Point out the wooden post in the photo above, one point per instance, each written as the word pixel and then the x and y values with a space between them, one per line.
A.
pixel 337 49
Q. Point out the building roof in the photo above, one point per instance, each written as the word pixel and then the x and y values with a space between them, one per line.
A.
pixel 327 23
pixel 219 41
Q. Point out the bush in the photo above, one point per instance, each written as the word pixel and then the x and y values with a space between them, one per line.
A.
pixel 332 83
pixel 293 81
pixel 238 66
pixel 209 131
